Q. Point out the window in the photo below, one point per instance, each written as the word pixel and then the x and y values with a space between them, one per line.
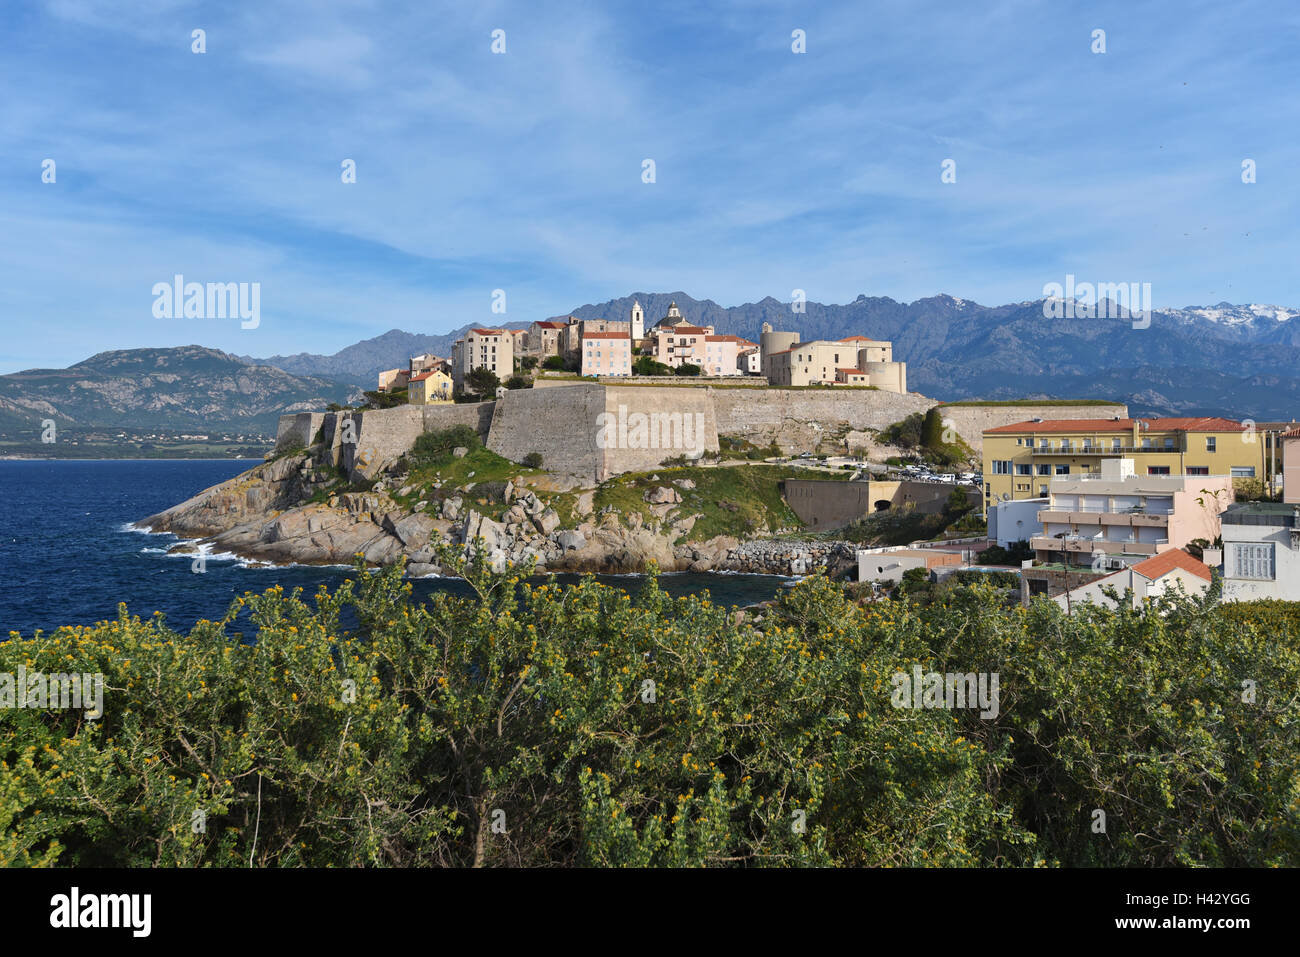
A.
pixel 1001 466
pixel 1169 444
pixel 1024 470
pixel 1243 471
pixel 1115 444
pixel 1044 470
pixel 1042 443
pixel 1157 470
pixel 1210 442
pixel 1252 561
pixel 1198 470
pixel 1063 470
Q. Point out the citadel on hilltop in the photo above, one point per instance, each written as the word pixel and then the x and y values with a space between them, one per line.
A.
pixel 672 346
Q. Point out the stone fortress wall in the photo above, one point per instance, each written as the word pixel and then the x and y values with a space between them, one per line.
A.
pixel 592 431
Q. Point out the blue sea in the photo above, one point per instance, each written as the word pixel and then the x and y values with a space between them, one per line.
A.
pixel 68 555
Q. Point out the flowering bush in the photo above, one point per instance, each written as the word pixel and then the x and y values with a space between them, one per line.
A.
pixel 534 724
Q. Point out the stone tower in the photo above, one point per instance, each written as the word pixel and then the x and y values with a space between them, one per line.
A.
pixel 638 322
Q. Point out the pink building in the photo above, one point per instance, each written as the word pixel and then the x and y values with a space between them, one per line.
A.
pixel 722 355
pixel 606 353
pixel 681 345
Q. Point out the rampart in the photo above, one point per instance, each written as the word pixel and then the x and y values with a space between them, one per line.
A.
pixel 592 431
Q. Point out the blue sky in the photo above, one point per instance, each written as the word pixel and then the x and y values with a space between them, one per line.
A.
pixel 774 170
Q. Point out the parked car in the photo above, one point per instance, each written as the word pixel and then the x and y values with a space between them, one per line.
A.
pixel 947 477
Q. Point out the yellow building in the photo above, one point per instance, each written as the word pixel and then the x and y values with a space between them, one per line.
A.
pixel 1020 460
pixel 429 388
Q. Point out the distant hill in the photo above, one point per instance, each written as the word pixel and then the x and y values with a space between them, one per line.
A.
pixel 1239 361
pixel 361 363
pixel 186 388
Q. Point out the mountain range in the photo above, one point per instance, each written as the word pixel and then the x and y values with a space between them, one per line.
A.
pixel 185 388
pixel 1238 361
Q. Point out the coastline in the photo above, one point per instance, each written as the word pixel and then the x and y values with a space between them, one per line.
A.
pixel 270 515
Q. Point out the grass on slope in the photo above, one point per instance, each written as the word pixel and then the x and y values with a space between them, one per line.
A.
pixel 740 500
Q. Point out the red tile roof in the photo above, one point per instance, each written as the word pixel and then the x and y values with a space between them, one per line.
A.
pixel 856 339
pixel 851 371
pixel 547 324
pixel 605 335
pixel 724 339
pixel 1210 424
pixel 488 332
pixel 425 375
pixel 1161 565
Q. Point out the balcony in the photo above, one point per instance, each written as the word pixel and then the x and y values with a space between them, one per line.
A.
pixel 1100 450
pixel 1084 545
pixel 1096 516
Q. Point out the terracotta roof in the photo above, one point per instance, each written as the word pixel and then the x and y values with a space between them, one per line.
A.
pixel 724 339
pixel 1161 565
pixel 851 371
pixel 1210 424
pixel 1294 433
pixel 488 332
pixel 425 375
pixel 856 339
pixel 781 353
pixel 547 324
pixel 605 335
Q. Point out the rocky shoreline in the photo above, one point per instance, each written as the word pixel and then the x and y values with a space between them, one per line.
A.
pixel 276 513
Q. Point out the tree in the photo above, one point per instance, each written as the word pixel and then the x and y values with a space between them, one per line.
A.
pixel 648 366
pixel 518 382
pixel 687 369
pixel 555 363
pixel 482 381
pixel 932 429
pixel 533 460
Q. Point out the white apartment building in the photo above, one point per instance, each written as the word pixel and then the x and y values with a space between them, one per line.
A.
pixel 491 349
pixel 1261 551
pixel 1016 520
pixel 1115 518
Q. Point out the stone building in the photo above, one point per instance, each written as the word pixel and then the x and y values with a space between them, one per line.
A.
pixel 855 360
pixel 491 349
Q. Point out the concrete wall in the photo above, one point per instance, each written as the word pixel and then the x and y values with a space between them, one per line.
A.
pixel 796 419
pixel 560 420
pixel 365 443
pixel 594 431
pixel 970 421
pixel 1014 521
pixel 824 503
pixel 298 429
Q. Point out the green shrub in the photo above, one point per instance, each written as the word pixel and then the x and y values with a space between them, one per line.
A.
pixel 533 460
pixel 432 449
pixel 364 728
